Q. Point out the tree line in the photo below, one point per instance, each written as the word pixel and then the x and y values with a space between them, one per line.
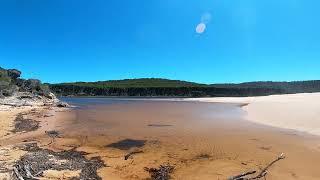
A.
pixel 173 88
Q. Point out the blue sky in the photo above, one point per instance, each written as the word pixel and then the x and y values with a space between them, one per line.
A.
pixel 244 40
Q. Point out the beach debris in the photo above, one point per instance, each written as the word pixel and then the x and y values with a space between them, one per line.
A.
pixel 261 174
pixel 26 169
pixel 62 104
pixel 126 157
pixel 244 163
pixel 127 144
pixel 244 104
pixel 203 156
pixel 24 125
pixel 241 176
pixel 33 146
pixel 161 173
pixel 48 115
pixel 16 172
pixel 37 160
pixel 159 125
pixel 53 134
pixel 266 148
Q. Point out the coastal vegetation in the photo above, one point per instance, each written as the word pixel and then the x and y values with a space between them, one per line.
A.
pixel 10 83
pixel 16 91
pixel 155 87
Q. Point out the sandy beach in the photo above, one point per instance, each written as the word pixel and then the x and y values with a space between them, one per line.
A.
pixel 11 138
pixel 159 90
pixel 299 112
pixel 201 140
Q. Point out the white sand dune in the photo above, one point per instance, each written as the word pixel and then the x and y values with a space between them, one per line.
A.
pixel 291 111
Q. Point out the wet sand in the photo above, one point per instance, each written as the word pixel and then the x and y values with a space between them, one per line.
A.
pixel 201 140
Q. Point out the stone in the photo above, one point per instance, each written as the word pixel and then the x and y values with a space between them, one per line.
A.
pixel 62 104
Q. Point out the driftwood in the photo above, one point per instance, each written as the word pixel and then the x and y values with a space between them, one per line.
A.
pixel 53 134
pixel 18 175
pixel 238 177
pixel 262 173
pixel 126 157
pixel 25 169
pixel 28 172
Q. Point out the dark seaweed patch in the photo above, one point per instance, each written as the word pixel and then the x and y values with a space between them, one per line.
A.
pixel 22 124
pixel 161 173
pixel 38 160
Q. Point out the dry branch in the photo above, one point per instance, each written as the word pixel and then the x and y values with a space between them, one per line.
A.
pixel 126 157
pixel 238 177
pixel 16 172
pixel 262 173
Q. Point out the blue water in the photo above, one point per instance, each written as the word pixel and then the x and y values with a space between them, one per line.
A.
pixel 225 110
pixel 85 102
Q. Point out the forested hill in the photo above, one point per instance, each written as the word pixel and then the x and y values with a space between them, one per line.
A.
pixel 154 87
pixel 286 87
pixel 136 83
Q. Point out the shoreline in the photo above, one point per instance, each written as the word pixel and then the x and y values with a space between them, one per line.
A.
pixel 299 112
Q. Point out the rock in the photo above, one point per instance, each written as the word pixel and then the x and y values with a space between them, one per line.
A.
pixel 62 104
pixel 31 99
pixel 15 91
pixel 25 95
pixel 51 96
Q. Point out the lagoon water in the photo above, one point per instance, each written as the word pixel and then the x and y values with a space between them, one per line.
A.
pixel 201 140
pixel 136 115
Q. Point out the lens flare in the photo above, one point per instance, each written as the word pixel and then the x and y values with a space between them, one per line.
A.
pixel 200 28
